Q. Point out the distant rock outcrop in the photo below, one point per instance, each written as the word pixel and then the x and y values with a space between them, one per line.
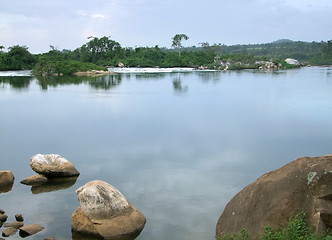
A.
pixel 303 184
pixel 292 61
pixel 52 165
pixel 104 212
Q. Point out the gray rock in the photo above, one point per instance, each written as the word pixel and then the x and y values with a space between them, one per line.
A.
pixel 53 165
pixel 104 212
pixel 9 231
pixel 16 225
pixel 30 229
pixel 35 180
pixel 19 217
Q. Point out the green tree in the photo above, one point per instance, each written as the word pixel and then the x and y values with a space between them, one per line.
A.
pixel 176 42
pixel 17 58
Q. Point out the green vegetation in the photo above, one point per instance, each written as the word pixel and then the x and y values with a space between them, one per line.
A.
pixel 295 229
pixel 107 52
pixel 17 58
pixel 62 67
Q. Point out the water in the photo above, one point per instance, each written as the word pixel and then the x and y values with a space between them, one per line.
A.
pixel 177 145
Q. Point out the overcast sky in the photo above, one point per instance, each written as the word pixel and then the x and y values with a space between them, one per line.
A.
pixel 66 24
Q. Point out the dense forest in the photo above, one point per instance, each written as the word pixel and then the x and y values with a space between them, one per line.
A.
pixel 98 53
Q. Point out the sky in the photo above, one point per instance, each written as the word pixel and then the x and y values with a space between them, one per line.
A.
pixel 67 24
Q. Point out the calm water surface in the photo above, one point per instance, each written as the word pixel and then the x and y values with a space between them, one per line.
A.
pixel 177 145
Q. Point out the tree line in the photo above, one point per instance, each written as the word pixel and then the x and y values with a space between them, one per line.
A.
pixel 105 51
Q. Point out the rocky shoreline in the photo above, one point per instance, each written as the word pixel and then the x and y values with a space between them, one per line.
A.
pixel 103 211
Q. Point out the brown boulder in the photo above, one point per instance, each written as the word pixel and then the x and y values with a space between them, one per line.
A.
pixel 52 165
pixel 104 212
pixel 30 229
pixel 303 184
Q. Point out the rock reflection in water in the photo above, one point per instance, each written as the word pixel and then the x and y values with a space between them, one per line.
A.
pixel 80 236
pixel 55 184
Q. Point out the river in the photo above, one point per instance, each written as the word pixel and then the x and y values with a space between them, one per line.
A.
pixel 177 145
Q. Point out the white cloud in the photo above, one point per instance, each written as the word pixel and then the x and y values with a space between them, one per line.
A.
pixel 98 16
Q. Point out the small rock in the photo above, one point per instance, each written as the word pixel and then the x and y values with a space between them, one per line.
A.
pixel 19 217
pixel 35 180
pixel 30 229
pixel 6 181
pixel 6 178
pixel 2 211
pixel 9 231
pixel 16 225
pixel 3 217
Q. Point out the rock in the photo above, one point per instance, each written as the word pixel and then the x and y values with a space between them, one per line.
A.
pixel 6 181
pixel 104 212
pixel 9 231
pixel 120 64
pixel 49 238
pixel 53 165
pixel 2 211
pixel 19 217
pixel 30 229
pixel 3 217
pixel 303 184
pixel 16 225
pixel 292 61
pixel 35 180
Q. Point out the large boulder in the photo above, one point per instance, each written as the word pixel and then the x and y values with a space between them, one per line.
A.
pixel 104 212
pixel 52 165
pixel 303 184
pixel 6 181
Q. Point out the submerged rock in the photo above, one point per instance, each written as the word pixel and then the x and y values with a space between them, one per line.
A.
pixel 303 184
pixel 35 180
pixel 54 184
pixel 52 165
pixel 104 212
pixel 16 225
pixel 6 181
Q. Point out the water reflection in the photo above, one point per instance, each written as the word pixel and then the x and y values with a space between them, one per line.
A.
pixel 17 82
pixel 53 185
pixel 104 82
pixel 80 236
pixel 177 85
